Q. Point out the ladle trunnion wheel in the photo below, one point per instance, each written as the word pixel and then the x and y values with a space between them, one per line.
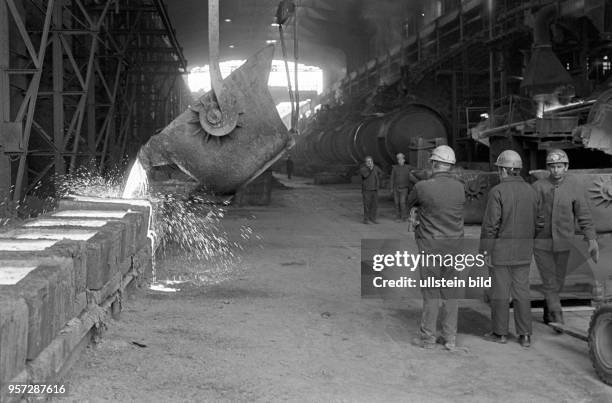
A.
pixel 599 334
pixel 600 342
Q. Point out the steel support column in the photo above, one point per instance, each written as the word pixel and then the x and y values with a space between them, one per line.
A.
pixel 91 117
pixel 28 105
pixel 5 106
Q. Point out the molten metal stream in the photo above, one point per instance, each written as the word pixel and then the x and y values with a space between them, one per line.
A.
pixel 137 185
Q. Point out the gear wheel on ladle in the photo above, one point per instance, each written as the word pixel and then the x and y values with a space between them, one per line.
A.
pixel 475 188
pixel 601 193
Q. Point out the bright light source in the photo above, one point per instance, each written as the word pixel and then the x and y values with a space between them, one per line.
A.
pixel 310 77
pixel 227 20
pixel 271 41
pixel 422 14
pixel 284 111
pixel 231 46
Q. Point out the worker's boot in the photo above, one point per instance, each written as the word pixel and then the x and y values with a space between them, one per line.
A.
pixel 423 343
pixel 497 338
pixel 557 317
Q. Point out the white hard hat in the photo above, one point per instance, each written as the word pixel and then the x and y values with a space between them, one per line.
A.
pixel 443 153
pixel 509 159
pixel 555 156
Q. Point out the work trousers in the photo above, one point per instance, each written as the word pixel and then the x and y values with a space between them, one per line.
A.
pixel 400 195
pixel 433 305
pixel 553 269
pixel 506 282
pixel 438 300
pixel 370 204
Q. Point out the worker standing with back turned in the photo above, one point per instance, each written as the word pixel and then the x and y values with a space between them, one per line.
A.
pixel 441 200
pixel 507 232
pixel 561 203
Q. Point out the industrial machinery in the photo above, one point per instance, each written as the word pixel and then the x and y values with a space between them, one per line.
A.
pixel 231 134
pixel 599 337
pixel 558 116
pixel 410 129
pixel 557 94
pixel 599 333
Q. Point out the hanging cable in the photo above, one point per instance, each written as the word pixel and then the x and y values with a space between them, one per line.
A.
pixel 296 116
pixel 284 50
pixel 284 11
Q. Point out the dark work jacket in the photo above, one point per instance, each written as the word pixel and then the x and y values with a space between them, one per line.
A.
pixel 370 178
pixel 441 200
pixel 508 225
pixel 560 206
pixel 401 178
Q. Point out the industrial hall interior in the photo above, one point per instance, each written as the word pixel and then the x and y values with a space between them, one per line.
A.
pixel 306 200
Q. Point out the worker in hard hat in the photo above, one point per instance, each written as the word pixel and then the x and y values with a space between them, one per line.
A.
pixel 507 232
pixel 400 184
pixel 561 203
pixel 441 200
pixel 371 178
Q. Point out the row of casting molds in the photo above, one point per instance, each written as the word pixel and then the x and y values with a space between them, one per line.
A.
pixel 58 274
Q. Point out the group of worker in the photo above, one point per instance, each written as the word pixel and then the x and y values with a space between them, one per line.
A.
pixel 521 221
pixel 400 183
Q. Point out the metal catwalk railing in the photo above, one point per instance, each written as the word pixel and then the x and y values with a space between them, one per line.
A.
pixel 447 37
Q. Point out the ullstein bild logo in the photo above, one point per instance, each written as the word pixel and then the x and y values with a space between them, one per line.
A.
pixel 402 268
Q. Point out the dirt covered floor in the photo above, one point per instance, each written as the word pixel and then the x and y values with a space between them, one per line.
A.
pixel 287 322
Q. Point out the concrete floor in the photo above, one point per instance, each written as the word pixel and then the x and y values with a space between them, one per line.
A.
pixel 288 323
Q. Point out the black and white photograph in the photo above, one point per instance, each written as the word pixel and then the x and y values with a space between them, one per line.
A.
pixel 306 201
